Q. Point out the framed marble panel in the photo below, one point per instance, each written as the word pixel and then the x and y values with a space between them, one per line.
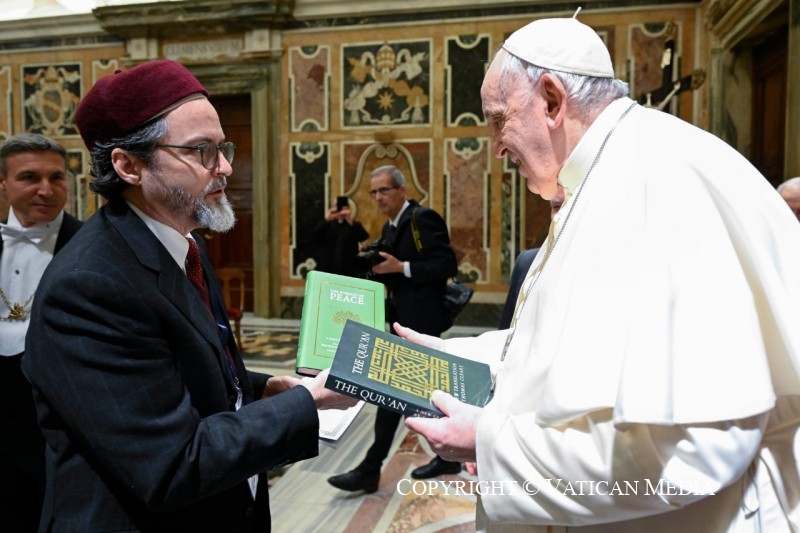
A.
pixel 309 176
pixel 309 88
pixel 466 60
pixel 50 96
pixel 79 193
pixel 651 47
pixel 467 181
pixel 386 84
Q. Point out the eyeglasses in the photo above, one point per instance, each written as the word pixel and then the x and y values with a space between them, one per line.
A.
pixel 209 152
pixel 383 191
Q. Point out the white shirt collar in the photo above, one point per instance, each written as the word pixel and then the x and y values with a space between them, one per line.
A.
pixel 399 214
pixel 173 241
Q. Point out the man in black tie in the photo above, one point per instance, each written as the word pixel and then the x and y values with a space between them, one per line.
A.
pixel 33 176
pixel 151 420
pixel 415 273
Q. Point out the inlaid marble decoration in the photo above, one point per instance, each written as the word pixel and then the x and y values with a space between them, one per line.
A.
pixel 466 61
pixel 467 176
pixel 5 108
pixel 50 96
pixel 77 196
pixel 646 55
pixel 386 84
pixel 413 158
pixel 308 179
pixel 101 68
pixel 309 87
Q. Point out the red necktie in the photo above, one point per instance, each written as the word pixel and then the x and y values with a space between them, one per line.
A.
pixel 194 271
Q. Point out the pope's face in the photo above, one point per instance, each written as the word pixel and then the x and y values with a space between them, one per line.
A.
pixel 517 117
pixel 177 186
pixel 35 185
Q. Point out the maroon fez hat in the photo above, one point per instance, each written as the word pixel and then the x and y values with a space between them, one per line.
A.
pixel 118 104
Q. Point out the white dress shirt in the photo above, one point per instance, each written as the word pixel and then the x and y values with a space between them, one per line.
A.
pixel 22 264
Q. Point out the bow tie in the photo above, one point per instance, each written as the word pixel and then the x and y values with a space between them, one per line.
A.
pixel 34 234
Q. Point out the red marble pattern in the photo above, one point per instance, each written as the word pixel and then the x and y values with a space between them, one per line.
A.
pixel 309 75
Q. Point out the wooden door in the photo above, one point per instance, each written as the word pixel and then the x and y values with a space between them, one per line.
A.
pixel 235 248
pixel 769 106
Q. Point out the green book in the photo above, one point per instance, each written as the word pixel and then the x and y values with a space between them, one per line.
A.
pixel 400 375
pixel 330 300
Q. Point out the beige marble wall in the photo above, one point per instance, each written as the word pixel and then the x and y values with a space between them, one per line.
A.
pixel 362 96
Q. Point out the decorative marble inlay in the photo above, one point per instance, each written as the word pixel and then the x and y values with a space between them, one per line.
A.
pixel 309 85
pixel 386 84
pixel 466 59
pixel 103 68
pixel 646 53
pixel 467 176
pixel 309 173
pixel 79 186
pixel 413 158
pixel 50 96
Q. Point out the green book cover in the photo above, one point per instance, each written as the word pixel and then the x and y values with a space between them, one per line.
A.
pixel 330 300
pixel 397 374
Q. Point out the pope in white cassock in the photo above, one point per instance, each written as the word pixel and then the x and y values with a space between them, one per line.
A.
pixel 650 380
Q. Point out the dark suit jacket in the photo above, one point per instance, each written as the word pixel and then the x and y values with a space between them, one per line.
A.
pixel 336 246
pixel 416 302
pixel 135 396
pixel 518 275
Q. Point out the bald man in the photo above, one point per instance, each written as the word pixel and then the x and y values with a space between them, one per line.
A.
pixel 790 191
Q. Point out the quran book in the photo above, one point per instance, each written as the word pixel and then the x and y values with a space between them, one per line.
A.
pixel 400 375
pixel 330 300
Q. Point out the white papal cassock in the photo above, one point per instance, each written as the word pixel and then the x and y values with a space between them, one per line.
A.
pixel 656 358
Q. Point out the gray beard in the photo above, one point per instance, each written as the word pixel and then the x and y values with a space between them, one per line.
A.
pixel 218 217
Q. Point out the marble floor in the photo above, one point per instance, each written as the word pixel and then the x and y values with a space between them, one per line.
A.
pixel 301 500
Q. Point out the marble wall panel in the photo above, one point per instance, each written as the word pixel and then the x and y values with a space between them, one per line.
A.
pixel 413 158
pixel 386 84
pixel 646 55
pixel 465 61
pixel 50 96
pixel 309 87
pixel 308 179
pixel 467 176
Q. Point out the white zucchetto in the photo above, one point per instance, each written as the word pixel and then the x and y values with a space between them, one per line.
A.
pixel 562 44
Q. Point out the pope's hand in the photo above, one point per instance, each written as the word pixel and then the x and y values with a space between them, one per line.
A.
pixel 453 436
pixel 420 338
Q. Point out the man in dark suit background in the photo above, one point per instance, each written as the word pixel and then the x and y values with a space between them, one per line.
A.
pixel 151 421
pixel 415 272
pixel 521 267
pixel 33 176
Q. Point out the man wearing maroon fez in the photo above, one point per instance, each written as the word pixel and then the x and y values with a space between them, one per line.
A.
pixel 151 421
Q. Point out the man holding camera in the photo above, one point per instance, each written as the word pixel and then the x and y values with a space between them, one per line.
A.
pixel 415 271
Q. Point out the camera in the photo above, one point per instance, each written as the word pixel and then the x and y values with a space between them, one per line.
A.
pixel 369 256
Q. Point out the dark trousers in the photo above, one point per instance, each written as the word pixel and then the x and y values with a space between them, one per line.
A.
pixel 386 423
pixel 21 451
